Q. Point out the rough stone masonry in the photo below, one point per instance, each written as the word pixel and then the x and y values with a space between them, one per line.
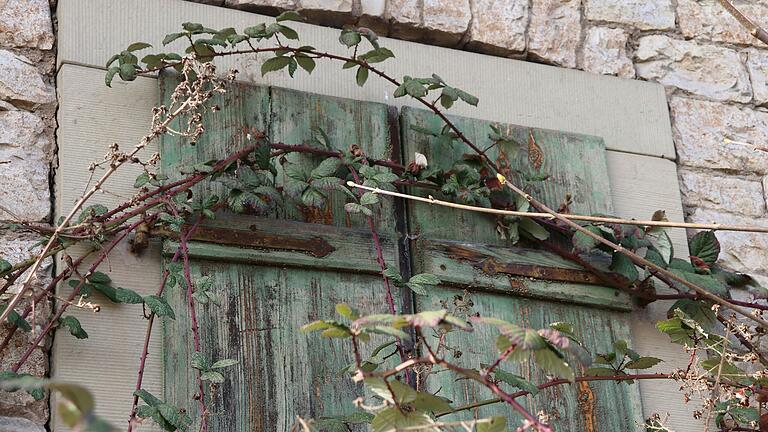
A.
pixel 27 146
pixel 714 72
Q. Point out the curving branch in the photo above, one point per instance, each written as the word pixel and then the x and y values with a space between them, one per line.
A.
pixel 752 27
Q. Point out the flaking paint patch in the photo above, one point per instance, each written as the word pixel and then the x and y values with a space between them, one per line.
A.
pixel 587 406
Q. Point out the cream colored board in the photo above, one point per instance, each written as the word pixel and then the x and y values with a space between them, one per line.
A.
pixel 631 116
pixel 88 124
pixel 91 117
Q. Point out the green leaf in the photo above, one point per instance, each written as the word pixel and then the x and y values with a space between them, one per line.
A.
pixel 390 419
pixel 643 363
pixel 212 376
pixel 289 16
pixel 141 180
pixel 347 311
pixel 697 310
pixel 16 319
pixel 312 197
pixel 705 246
pixel 92 211
pixel 601 372
pixel 357 208
pixel 402 392
pixel 306 63
pixel 431 403
pixel 110 75
pixel 624 266
pixel 326 168
pixel 224 363
pixel 534 229
pixel 515 381
pixel 5 266
pixel 159 306
pixel 274 64
pixel 136 46
pixel 494 424
pixel 552 363
pixel 125 295
pixel 584 243
pixel 369 198
pixel 350 38
pixel 199 361
pixel 172 37
pixel 361 76
pixel 289 32
pixel 708 282
pixel 74 327
pixel 148 398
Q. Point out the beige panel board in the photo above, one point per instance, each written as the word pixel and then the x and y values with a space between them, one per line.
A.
pixel 631 116
pixel 91 117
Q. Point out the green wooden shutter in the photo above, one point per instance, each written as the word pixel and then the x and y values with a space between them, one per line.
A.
pixel 275 274
pixel 522 284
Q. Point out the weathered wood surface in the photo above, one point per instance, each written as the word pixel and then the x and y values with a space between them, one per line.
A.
pixel 276 273
pixel 448 241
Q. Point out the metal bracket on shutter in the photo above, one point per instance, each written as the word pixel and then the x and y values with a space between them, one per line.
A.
pixel 493 265
pixel 314 246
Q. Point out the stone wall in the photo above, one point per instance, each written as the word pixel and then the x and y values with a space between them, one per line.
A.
pixel 27 149
pixel 715 73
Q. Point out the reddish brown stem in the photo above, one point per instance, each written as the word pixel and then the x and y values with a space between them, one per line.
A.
pixel 76 291
pixel 148 335
pixel 194 328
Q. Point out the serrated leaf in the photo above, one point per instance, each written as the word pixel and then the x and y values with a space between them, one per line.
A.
pixel 553 364
pixel 110 75
pixel 390 419
pixel 584 243
pixel 349 38
pixel 73 324
pixel 369 198
pixel 274 64
pixel 326 168
pixel 361 76
pixel 306 63
pixel 136 46
pixel 224 363
pixel 148 398
pixel 494 424
pixel 357 208
pixel 431 403
pixel 5 266
pixel 212 376
pixel 705 246
pixel 159 306
pixel 92 211
pixel 624 266
pixel 128 296
pixel 199 361
pixel 402 393
pixel 347 311
pixel 643 363
pixel 289 16
pixel 534 229
pixel 515 381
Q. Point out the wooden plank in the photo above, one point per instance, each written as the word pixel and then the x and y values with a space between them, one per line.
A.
pixel 449 262
pixel 277 273
pixel 590 407
pixel 631 116
pixel 574 165
pixel 282 372
pixel 297 118
pixel 454 244
pixel 350 249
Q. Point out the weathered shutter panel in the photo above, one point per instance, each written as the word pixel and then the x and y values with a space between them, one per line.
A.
pixel 275 274
pixel 466 252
